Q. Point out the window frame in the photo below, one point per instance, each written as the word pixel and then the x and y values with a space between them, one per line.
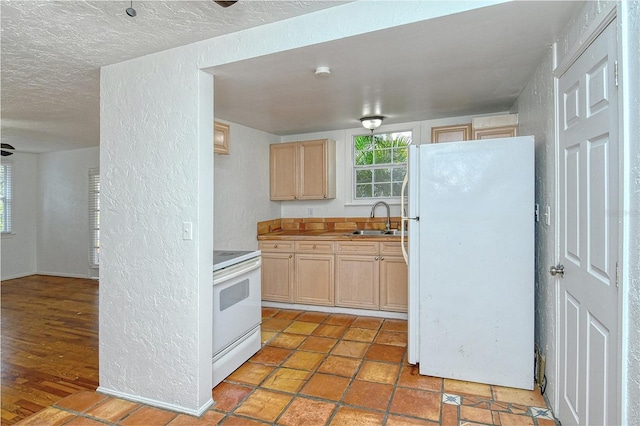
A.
pixel 350 199
pixel 94 217
pixel 7 199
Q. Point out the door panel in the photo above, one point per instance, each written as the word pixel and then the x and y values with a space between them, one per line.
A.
pixel 588 190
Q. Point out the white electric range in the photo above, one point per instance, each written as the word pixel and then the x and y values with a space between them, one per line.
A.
pixel 237 310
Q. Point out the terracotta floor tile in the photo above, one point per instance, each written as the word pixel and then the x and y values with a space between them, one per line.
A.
pixel 360 334
pixel 288 314
pixel 241 421
pixel 84 421
pixel 396 420
pixel 264 405
pixel 352 349
pixel 411 378
pixel 329 330
pixel 287 341
pixel 367 322
pixel 301 327
pixel 271 356
pixel 227 396
pixel 268 312
pixel 81 401
pixel 275 324
pixel 369 395
pixel 340 366
pixel 394 338
pixel 496 419
pixel 507 419
pixel 348 416
pixel 265 336
pixel 303 360
pixel 326 386
pixel 112 410
pixel 250 373
pixel 208 418
pixel 546 422
pixel 394 325
pixel 50 416
pixel 473 414
pixel 449 415
pixel 148 416
pixel 417 403
pixel 460 387
pixel 379 372
pixel 386 353
pixel 519 396
pixel 316 317
pixel 483 402
pixel 286 380
pixel 318 344
pixel 304 411
pixel 340 319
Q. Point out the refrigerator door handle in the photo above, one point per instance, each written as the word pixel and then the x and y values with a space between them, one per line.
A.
pixel 404 219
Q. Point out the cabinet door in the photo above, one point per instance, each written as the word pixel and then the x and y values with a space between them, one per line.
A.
pixel 496 132
pixel 458 132
pixel 394 283
pixel 277 277
pixel 283 159
pixel 313 171
pixel 358 281
pixel 314 279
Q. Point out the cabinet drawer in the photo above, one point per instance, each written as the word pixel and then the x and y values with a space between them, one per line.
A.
pixel 325 247
pixel 351 247
pixel 276 246
pixel 391 249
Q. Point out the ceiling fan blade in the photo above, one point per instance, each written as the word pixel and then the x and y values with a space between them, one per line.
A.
pixel 226 3
pixel 7 146
pixel 5 153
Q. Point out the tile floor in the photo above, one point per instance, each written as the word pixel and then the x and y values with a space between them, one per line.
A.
pixel 323 369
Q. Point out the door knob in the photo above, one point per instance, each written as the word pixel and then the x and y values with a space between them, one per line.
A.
pixel 557 270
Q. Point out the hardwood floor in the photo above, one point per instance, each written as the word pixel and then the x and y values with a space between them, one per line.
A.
pixel 49 342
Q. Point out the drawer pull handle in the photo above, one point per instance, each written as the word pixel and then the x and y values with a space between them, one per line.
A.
pixel 275 246
pixel 382 258
pixel 376 257
pixel 290 256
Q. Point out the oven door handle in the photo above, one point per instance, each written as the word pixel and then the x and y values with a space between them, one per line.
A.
pixel 236 270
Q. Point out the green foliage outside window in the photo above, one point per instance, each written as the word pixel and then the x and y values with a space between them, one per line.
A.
pixel 380 164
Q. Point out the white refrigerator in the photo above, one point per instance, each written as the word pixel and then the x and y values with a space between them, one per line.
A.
pixel 469 209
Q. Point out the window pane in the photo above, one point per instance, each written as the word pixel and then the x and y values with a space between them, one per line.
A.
pixel 363 176
pixel 397 189
pixel 382 156
pixel 382 190
pixel 363 191
pixel 398 173
pixel 382 175
pixel 400 155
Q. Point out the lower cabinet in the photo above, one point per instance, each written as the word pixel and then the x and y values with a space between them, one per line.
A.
pixel 277 271
pixel 352 274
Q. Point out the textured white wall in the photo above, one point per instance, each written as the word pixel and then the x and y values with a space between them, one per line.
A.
pixel 629 26
pixel 63 211
pixel 156 165
pixel 536 115
pixel 241 189
pixel 18 251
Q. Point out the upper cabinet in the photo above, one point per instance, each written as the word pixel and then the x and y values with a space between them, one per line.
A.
pixel 303 170
pixel 220 138
pixel 458 132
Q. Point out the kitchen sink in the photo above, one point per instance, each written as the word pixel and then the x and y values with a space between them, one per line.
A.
pixel 375 232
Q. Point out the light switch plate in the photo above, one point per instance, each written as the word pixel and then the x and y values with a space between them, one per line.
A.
pixel 187 231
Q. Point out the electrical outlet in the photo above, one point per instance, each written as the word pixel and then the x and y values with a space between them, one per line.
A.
pixel 547 215
pixel 310 211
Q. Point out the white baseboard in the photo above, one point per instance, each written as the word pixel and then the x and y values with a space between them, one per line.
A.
pixel 159 404
pixel 22 275
pixel 336 310
pixel 63 275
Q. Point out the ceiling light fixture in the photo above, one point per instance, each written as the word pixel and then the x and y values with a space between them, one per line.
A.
pixel 131 11
pixel 372 122
pixel 323 71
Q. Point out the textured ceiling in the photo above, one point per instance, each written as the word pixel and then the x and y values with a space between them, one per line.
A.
pixel 466 63
pixel 52 51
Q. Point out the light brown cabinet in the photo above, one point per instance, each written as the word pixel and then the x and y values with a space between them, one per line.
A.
pixel 220 138
pixel 455 133
pixel 371 275
pixel 303 170
pixel 495 132
pixel 277 270
pixel 314 270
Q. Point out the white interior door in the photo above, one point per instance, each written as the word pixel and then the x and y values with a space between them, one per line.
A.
pixel 588 194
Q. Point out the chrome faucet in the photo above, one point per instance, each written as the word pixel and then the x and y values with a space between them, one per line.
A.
pixel 373 212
